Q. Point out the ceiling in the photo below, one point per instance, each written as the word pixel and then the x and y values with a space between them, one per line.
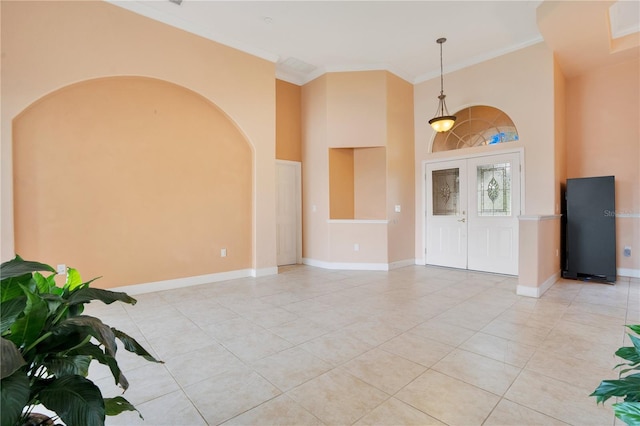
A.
pixel 308 38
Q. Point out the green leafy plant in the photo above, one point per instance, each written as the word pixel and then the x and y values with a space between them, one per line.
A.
pixel 47 345
pixel 627 386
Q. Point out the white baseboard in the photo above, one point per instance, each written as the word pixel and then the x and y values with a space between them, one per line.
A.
pixel 183 282
pixel 628 272
pixel 263 272
pixel 421 261
pixel 316 263
pixel 346 266
pixel 524 290
pixel 359 266
pixel 402 263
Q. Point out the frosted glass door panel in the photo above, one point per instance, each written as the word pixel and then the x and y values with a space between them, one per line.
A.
pixel 494 189
pixel 493 209
pixel 446 227
pixel 446 192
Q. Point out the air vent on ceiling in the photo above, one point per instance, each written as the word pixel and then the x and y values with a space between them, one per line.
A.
pixel 297 65
pixel 624 18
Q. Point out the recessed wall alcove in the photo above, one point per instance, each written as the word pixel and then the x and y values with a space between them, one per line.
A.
pixel 357 183
pixel 134 179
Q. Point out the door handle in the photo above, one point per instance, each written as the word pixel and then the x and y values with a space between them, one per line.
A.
pixel 462 220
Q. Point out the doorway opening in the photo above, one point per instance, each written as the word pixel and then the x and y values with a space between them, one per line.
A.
pixel 288 213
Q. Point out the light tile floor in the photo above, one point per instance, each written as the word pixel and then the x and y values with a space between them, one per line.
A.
pixel 413 346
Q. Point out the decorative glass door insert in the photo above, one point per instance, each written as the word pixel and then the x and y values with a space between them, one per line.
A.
pixel 494 189
pixel 446 192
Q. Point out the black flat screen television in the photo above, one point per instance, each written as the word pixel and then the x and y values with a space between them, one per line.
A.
pixel 590 229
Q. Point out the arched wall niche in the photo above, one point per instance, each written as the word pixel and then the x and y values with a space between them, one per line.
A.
pixel 477 125
pixel 134 179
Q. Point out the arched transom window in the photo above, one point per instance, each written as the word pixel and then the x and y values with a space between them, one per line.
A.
pixel 477 125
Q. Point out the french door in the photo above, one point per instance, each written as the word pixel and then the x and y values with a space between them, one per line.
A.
pixel 472 208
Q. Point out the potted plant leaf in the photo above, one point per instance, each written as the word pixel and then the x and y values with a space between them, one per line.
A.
pixel 47 345
pixel 627 386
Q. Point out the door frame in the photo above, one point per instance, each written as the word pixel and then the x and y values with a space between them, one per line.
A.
pixel 298 169
pixel 519 150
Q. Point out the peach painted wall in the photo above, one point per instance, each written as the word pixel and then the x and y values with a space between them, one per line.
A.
pixel 356 109
pixel 50 45
pixel 603 138
pixel 341 183
pixel 138 180
pixel 315 173
pixel 548 248
pixel 560 120
pixel 400 169
pixel 522 85
pixel 371 238
pixel 528 260
pixel 370 183
pixel 288 121
pixel 371 113
pixel 538 261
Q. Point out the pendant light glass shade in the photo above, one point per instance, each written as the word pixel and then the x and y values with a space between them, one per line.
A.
pixel 443 121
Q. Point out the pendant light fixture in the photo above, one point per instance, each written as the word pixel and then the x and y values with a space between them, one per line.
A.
pixel 443 121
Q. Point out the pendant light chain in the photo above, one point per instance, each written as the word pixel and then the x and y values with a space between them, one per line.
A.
pixel 441 72
pixel 442 122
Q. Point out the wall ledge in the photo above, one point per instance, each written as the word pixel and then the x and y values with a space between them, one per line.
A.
pixel 525 290
pixel 539 217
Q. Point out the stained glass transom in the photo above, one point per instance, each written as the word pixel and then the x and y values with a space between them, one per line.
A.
pixel 446 192
pixel 494 190
pixel 478 125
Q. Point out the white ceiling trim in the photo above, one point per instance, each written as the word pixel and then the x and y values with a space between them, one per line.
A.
pixel 301 78
pixel 172 20
pixel 478 59
pixel 304 79
pixel 369 67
